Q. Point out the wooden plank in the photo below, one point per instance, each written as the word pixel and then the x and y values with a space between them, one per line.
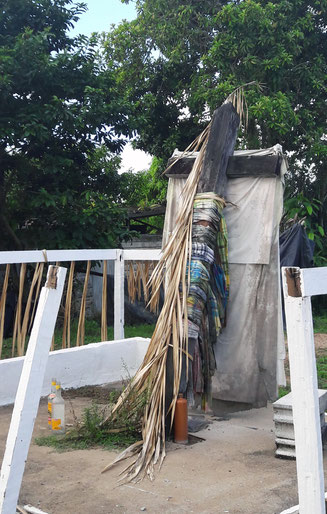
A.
pixel 76 255
pixel 220 147
pixel 56 256
pixel 29 390
pixel 142 255
pixel 254 166
pixel 263 166
pixel 238 166
pixel 305 402
pixel 119 314
pixel 146 213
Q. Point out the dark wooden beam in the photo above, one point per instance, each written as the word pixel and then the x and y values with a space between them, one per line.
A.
pixel 146 213
pixel 238 166
pixel 220 147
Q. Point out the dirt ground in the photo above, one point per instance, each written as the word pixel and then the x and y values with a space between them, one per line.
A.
pixel 233 471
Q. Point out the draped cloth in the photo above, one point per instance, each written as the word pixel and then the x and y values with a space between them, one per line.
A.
pixel 250 350
pixel 208 284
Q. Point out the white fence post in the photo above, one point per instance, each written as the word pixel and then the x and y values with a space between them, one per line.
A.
pixel 29 390
pixel 305 402
pixel 119 314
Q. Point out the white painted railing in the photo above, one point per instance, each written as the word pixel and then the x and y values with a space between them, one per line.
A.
pixel 117 255
pixel 299 285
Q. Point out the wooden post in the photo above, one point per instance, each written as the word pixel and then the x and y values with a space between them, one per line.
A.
pixel 213 178
pixel 29 390
pixel 305 402
pixel 119 296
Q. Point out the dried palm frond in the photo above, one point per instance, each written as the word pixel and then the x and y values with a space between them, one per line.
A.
pixel 3 305
pixel 68 307
pixel 18 317
pixel 37 293
pixel 81 320
pixel 136 282
pixel 238 100
pixel 145 279
pixel 36 277
pixel 131 283
pixel 170 331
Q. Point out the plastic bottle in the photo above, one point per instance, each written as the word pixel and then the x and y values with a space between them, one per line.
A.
pixel 58 412
pixel 50 398
pixel 180 421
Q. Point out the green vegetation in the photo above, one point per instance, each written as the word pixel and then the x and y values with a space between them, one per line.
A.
pixel 92 335
pixel 68 105
pixel 320 324
pixel 193 54
pixel 98 427
pixel 283 391
pixel 62 125
pixel 322 371
pixel 321 375
pixel 320 327
pixel 89 433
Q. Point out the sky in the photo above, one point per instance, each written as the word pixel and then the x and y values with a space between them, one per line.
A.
pixel 101 14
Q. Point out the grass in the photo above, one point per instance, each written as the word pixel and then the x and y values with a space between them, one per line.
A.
pixel 92 335
pixel 97 429
pixel 320 327
pixel 72 441
pixel 321 375
pixel 322 371
pixel 320 324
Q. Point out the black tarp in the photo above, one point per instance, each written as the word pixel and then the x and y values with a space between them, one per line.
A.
pixel 295 248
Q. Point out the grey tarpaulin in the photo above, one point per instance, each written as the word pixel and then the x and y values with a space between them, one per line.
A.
pixel 250 350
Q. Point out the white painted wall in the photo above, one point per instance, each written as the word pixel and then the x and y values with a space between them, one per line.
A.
pixel 93 364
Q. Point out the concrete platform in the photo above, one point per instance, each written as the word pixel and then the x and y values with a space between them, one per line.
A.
pixel 284 428
pixel 234 470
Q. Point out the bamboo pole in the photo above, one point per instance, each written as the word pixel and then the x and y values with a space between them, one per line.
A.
pixel 81 322
pixel 3 305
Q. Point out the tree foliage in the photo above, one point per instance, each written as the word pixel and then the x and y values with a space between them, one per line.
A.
pixel 180 59
pixel 58 104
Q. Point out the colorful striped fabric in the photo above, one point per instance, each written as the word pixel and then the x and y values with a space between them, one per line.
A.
pixel 208 277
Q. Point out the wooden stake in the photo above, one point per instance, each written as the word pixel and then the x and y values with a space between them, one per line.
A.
pixel 29 391
pixel 303 372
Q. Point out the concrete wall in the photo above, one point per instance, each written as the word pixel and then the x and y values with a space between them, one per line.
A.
pixel 94 364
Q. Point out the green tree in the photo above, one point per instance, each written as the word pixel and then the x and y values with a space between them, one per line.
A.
pixel 62 119
pixel 181 58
